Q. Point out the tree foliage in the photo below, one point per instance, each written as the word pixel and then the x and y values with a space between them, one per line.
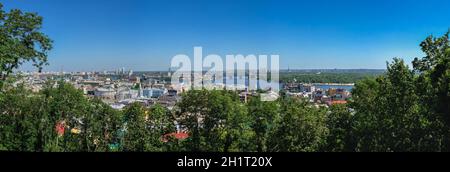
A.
pixel 216 120
pixel 21 41
pixel 264 116
pixel 305 77
pixel 301 128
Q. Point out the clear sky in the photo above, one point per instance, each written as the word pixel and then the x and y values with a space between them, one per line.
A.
pixel 146 34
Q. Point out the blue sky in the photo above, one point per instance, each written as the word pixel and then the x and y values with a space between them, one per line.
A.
pixel 146 34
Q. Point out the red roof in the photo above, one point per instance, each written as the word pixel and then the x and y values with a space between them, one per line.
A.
pixel 178 135
pixel 339 102
pixel 60 128
pixel 335 102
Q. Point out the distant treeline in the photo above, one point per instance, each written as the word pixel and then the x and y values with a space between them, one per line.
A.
pixel 326 77
pixel 316 75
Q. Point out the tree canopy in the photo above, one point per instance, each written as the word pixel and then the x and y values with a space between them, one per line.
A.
pixel 21 41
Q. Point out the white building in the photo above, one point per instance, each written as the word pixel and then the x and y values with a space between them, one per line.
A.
pixel 105 93
pixel 153 92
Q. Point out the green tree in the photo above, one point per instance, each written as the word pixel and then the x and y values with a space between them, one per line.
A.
pixel 433 87
pixel 217 121
pixel 301 128
pixel 135 137
pixel 387 112
pixel 21 41
pixel 67 105
pixel 17 130
pixel 190 113
pixel 101 124
pixel 24 121
pixel 264 116
pixel 340 123
pixel 366 129
pixel 159 122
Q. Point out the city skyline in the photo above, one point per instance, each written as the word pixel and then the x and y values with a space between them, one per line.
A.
pixel 224 76
pixel 145 35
